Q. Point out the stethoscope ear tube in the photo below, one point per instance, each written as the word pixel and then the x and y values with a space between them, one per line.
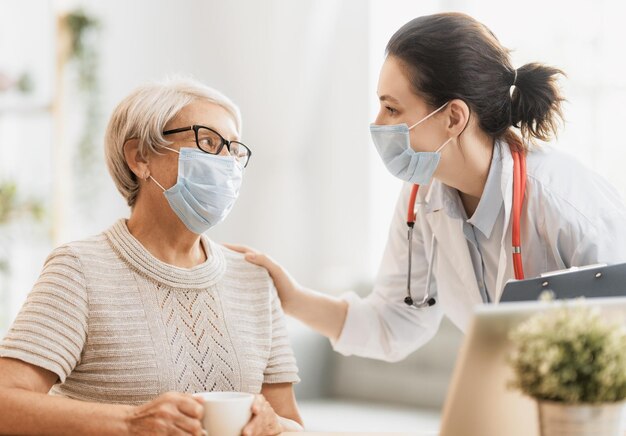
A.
pixel 411 214
pixel 519 190
pixel 410 222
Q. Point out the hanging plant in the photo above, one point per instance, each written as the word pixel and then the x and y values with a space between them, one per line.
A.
pixel 83 51
pixel 84 56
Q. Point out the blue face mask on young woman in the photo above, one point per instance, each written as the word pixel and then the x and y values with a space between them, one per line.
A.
pixel 206 188
pixel 394 147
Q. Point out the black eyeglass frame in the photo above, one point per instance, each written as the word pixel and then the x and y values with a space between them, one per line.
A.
pixel 225 142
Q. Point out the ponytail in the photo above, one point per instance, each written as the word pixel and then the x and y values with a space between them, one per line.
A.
pixel 536 102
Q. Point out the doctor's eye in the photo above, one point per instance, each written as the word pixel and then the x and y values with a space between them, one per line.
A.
pixel 391 110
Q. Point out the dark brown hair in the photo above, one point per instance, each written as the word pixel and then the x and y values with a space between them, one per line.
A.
pixel 452 56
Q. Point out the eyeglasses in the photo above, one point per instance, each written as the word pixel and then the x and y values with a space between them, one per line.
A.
pixel 211 142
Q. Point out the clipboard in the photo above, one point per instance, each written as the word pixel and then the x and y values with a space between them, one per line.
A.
pixel 589 281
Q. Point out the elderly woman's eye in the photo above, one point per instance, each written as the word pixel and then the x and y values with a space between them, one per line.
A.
pixel 209 144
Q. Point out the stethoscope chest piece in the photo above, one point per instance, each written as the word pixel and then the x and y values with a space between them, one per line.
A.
pixel 426 302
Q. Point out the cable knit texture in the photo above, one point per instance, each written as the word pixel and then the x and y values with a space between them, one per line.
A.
pixel 118 325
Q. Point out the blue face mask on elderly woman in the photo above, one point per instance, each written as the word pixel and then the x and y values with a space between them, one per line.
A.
pixel 206 188
pixel 393 144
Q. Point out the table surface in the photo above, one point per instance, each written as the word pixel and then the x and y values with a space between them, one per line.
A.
pixel 364 433
pixel 360 433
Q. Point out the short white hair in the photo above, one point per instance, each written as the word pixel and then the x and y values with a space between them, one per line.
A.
pixel 143 116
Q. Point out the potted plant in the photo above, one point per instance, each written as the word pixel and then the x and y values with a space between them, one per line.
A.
pixel 573 362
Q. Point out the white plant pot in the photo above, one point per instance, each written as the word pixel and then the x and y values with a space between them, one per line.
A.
pixel 558 419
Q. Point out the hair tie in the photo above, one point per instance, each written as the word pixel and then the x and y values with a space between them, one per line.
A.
pixel 511 88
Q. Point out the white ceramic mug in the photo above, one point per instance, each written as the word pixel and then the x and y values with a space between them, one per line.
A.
pixel 225 413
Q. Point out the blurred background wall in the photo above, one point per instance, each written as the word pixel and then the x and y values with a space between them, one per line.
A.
pixel 304 73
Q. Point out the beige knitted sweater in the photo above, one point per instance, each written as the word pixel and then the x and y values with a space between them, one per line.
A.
pixel 119 326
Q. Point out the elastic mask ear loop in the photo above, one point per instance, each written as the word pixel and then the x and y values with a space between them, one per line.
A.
pixel 158 184
pixel 153 179
pixel 444 144
pixel 429 115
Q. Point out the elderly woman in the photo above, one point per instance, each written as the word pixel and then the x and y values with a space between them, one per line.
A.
pixel 121 328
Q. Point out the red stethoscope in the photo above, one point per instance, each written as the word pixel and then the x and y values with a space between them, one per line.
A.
pixel 519 190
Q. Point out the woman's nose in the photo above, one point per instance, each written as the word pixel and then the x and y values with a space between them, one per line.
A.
pixel 380 118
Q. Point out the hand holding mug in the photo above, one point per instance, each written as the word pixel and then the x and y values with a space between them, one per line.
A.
pixel 172 413
pixel 264 421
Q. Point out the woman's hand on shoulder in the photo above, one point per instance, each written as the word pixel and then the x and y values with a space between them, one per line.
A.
pixel 172 413
pixel 286 286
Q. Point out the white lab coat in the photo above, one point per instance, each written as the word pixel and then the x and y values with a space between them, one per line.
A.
pixel 571 217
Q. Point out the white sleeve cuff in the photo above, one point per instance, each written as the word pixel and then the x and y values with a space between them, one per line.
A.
pixel 352 339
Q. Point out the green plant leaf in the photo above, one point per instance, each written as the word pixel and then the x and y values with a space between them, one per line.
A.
pixel 571 355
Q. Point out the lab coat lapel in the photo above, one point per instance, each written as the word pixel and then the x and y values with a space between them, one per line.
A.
pixel 505 263
pixel 452 246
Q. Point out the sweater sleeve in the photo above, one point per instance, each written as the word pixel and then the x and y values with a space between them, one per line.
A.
pixel 281 367
pixel 51 328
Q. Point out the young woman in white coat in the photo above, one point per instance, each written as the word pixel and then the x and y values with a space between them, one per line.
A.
pixel 457 119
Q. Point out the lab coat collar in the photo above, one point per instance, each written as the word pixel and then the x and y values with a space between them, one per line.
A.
pixel 440 196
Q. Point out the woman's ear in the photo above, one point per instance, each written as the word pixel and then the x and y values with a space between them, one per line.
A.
pixel 459 114
pixel 136 162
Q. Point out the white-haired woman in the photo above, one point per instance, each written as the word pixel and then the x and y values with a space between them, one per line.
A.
pixel 120 329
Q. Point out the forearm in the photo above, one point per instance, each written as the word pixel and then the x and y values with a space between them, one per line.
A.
pixel 26 412
pixel 323 313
